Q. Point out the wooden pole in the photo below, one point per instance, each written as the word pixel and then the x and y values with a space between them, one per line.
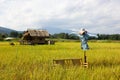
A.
pixel 85 60
pixel 85 57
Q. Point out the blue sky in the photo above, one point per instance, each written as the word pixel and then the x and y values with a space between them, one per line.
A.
pixel 97 16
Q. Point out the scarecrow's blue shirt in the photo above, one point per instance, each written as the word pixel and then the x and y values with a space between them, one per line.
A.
pixel 84 39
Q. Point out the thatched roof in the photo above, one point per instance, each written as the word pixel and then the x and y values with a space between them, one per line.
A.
pixel 37 33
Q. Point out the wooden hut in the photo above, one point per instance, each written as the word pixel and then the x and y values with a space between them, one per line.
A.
pixel 35 37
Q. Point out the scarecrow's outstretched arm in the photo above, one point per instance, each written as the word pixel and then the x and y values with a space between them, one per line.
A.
pixel 88 33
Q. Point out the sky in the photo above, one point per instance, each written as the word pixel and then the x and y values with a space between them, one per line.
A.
pixel 96 16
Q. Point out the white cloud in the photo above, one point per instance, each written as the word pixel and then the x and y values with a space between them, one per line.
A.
pixel 96 15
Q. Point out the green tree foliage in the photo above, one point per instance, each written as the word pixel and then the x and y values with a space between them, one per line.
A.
pixel 20 35
pixel 60 35
pixel 109 37
pixel 75 37
pixel 14 34
pixel 64 36
pixel 2 36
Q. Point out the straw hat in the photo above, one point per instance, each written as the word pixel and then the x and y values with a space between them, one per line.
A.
pixel 82 31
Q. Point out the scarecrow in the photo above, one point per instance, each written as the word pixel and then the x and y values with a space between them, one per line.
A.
pixel 84 38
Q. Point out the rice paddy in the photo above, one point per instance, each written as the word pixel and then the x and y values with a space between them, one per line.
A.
pixel 26 62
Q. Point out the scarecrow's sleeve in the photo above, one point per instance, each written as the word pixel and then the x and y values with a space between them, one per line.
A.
pixel 77 34
pixel 87 36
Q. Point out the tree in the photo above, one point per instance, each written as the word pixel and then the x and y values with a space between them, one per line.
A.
pixel 20 35
pixel 73 36
pixel 2 36
pixel 100 36
pixel 14 34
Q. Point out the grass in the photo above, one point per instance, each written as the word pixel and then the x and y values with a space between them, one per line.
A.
pixel 26 62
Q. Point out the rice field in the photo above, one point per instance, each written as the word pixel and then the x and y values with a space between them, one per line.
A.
pixel 26 62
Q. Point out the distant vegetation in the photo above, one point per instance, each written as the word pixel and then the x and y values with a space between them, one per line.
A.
pixel 75 37
pixel 68 36
pixel 14 34
pixel 109 37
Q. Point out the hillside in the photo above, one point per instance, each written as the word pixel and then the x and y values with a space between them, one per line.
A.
pixel 5 30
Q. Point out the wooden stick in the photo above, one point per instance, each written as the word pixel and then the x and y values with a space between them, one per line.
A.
pixel 85 57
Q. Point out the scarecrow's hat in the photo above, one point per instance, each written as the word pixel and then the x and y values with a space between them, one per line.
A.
pixel 82 31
